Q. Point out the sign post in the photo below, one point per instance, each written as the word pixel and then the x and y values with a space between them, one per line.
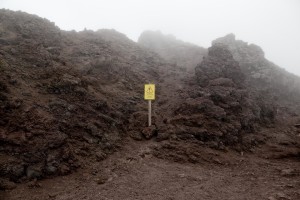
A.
pixel 149 94
pixel 149 113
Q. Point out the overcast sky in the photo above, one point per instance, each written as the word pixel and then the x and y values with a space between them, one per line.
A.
pixel 272 24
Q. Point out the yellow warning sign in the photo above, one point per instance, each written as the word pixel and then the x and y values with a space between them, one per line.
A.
pixel 149 92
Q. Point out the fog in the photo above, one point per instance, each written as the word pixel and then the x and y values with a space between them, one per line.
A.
pixel 273 25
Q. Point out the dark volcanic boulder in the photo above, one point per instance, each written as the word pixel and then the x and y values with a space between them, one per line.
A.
pixel 219 64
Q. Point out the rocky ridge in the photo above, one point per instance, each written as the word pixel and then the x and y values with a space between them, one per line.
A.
pixel 68 99
pixel 264 76
pixel 65 96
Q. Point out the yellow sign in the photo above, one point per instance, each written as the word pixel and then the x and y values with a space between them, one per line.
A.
pixel 149 92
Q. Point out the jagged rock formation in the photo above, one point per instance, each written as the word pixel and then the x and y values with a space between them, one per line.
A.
pixel 219 64
pixel 172 50
pixel 221 109
pixel 262 75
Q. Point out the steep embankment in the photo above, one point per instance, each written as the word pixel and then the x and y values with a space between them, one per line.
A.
pixel 65 96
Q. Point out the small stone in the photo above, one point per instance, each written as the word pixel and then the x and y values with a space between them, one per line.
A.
pixel 213 144
pixel 17 170
pixel 34 184
pixel 101 180
pixel 192 159
pixel 162 136
pixel 289 186
pixel 50 169
pixel 149 132
pixel 297 125
pixel 288 172
pixel 33 172
pixel 52 196
pixel 136 135
pixel 181 175
pixel 100 156
pixel 217 161
pixel 13 81
pixel 221 146
pixel 282 196
pixel 64 169
pixel 109 179
pixel 27 94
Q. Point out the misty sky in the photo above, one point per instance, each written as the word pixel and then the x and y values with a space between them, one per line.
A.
pixel 272 24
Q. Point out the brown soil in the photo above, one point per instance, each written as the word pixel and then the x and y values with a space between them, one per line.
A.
pixel 135 173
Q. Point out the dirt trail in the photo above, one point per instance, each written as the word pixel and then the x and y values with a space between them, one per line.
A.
pixel 134 173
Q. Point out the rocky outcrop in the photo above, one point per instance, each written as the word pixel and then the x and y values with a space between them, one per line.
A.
pixel 220 111
pixel 219 64
pixel 264 76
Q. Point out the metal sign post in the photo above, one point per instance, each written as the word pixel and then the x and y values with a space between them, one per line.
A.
pixel 149 94
pixel 149 113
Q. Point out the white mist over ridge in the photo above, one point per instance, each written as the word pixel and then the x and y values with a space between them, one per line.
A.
pixel 274 26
